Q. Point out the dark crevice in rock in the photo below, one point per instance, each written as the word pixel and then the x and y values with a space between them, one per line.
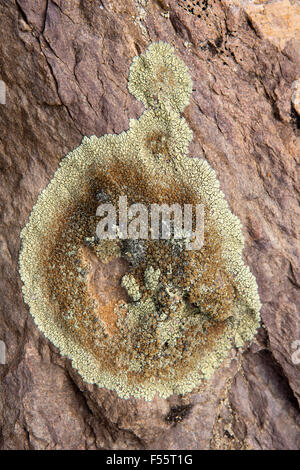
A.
pixel 96 417
pixel 252 26
pixel 60 9
pixel 45 17
pixel 91 415
pixel 292 276
pixel 139 443
pixel 22 13
pixel 295 119
pixel 57 89
pixel 179 27
pixel 284 387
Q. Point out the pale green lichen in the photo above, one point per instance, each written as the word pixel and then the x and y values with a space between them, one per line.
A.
pixel 131 286
pixel 186 308
pixel 151 278
pixel 159 75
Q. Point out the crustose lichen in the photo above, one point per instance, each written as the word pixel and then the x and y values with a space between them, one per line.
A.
pixel 139 316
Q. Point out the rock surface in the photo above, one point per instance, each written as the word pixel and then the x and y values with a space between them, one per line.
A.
pixel 65 66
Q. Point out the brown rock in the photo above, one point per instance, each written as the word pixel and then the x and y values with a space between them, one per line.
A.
pixel 278 20
pixel 65 66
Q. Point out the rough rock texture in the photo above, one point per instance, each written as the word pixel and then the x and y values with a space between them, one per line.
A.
pixel 65 65
pixel 296 96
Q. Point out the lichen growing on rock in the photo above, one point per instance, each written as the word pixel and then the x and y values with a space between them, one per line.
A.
pixel 159 75
pixel 139 316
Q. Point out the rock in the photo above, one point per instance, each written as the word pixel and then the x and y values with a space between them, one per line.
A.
pixel 65 68
pixel 278 20
pixel 296 96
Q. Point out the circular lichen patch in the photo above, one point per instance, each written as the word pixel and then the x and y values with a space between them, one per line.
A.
pixel 159 75
pixel 139 316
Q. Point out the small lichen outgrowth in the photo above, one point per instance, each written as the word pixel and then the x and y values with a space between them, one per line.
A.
pixel 131 286
pixel 139 316
pixel 151 278
pixel 159 75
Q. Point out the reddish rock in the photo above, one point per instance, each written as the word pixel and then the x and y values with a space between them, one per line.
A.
pixel 65 66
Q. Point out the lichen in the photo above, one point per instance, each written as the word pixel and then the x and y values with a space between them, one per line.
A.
pixel 159 75
pixel 132 287
pixel 139 316
pixel 151 278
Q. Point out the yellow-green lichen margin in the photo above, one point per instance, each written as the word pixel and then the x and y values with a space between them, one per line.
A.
pixel 157 143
